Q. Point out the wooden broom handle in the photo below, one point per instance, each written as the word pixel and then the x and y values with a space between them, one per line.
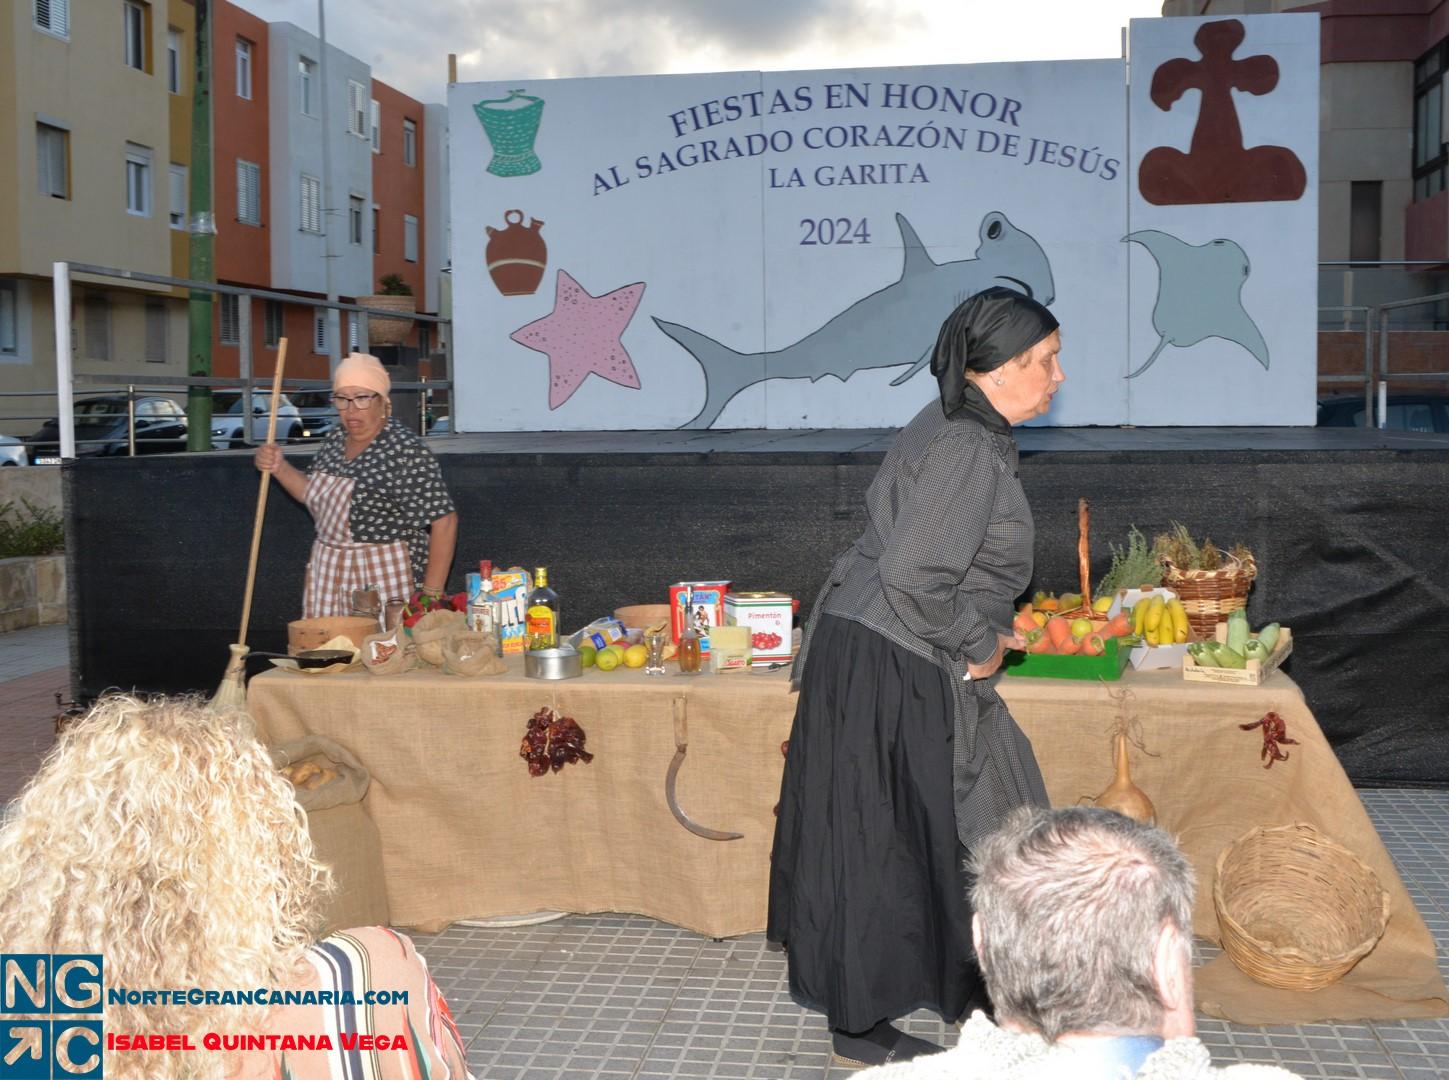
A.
pixel 261 492
pixel 1084 561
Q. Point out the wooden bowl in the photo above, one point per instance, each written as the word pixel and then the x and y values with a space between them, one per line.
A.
pixel 642 616
pixel 304 634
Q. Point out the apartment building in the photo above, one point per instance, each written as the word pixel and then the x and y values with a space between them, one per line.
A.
pixel 96 102
pixel 86 176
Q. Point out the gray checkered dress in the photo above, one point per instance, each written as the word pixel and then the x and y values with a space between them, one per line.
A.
pixel 947 550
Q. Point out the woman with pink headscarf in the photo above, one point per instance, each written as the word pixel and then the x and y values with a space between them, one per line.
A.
pixel 384 519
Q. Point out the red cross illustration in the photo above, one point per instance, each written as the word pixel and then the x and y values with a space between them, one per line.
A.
pixel 1218 168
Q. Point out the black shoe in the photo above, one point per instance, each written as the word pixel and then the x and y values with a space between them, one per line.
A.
pixel 883 1044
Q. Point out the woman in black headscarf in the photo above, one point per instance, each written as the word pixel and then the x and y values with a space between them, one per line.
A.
pixel 901 754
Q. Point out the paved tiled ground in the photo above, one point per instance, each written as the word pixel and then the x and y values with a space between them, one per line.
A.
pixel 622 996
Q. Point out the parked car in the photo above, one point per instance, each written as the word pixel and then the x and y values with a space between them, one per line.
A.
pixel 319 418
pixel 1422 410
pixel 101 428
pixel 228 425
pixel 443 425
pixel 12 451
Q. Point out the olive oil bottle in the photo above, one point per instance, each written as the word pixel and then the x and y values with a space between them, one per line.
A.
pixel 541 618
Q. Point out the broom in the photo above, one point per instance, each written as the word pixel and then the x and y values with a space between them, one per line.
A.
pixel 231 695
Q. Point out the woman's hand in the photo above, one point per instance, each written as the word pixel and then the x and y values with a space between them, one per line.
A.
pixel 269 458
pixel 988 669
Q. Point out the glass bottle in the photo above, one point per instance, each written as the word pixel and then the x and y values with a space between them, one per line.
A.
pixel 483 606
pixel 541 618
pixel 689 656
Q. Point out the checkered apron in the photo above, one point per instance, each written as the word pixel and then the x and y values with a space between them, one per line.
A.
pixel 340 564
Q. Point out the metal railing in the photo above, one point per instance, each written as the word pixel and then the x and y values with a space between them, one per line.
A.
pixel 244 383
pixel 1384 313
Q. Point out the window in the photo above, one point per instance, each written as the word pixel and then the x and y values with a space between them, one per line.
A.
pixel 9 319
pixel 138 180
pixel 375 128
pixel 156 331
pixel 133 25
pixel 354 332
pixel 356 109
pixel 354 219
pixel 230 333
pixel 410 238
pixel 376 229
pixel 319 330
pixel 272 324
pixel 1429 122
pixel 248 192
pixel 173 60
pixel 1365 220
pixel 53 16
pixel 178 196
pixel 53 156
pixel 311 204
pixel 307 86
pixel 243 68
pixel 98 327
pixel 410 143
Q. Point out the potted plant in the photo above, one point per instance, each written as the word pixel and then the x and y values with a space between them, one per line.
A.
pixel 394 294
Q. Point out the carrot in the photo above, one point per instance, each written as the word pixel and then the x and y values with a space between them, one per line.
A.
pixel 1038 642
pixel 1049 604
pixel 1024 623
pixel 1060 631
pixel 1093 645
pixel 1070 647
pixel 1121 624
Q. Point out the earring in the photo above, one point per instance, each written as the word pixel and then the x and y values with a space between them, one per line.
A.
pixel 998 380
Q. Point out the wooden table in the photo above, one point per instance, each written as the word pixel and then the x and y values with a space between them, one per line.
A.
pixel 467 833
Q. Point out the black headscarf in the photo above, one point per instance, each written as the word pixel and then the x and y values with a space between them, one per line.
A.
pixel 984 332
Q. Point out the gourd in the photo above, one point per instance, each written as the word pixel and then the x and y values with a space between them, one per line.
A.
pixel 1123 795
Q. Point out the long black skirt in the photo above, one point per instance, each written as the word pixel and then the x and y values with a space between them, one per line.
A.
pixel 868 888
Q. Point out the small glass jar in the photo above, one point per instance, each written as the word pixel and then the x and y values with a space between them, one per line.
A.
pixel 654 642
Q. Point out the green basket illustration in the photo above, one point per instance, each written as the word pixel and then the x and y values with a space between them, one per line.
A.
pixel 511 125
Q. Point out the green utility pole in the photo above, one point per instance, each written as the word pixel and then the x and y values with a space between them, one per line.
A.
pixel 203 230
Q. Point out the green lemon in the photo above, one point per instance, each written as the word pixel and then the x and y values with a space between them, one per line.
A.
pixel 607 660
pixel 587 653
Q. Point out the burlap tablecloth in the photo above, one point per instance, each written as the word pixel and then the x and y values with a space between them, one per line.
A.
pixel 467 833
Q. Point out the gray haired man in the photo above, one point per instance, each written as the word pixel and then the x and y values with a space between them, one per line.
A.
pixel 1083 929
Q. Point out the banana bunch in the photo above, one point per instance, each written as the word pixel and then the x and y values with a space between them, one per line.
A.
pixel 1159 622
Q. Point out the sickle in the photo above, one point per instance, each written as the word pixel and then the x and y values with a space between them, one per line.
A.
pixel 681 745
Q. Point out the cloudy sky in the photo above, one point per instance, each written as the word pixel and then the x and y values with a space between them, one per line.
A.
pixel 504 39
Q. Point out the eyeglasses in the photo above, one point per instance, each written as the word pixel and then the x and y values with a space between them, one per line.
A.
pixel 360 402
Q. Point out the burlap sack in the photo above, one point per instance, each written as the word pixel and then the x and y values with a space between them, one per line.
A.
pixel 401 653
pixel 350 784
pixel 432 630
pixel 472 652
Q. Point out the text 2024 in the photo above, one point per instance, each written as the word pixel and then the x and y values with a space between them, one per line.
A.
pixel 834 231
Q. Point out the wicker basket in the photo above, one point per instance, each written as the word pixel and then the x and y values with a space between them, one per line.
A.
pixel 1210 595
pixel 1296 910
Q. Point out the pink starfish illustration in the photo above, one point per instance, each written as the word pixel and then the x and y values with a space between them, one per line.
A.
pixel 581 335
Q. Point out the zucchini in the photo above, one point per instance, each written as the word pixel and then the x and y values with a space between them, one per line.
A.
pixel 1238 630
pixel 1256 650
pixel 1231 658
pixel 1269 636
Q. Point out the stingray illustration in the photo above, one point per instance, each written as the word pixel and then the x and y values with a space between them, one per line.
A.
pixel 1199 294
pixel 893 326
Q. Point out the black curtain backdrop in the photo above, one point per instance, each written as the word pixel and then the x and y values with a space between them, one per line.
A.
pixel 1351 553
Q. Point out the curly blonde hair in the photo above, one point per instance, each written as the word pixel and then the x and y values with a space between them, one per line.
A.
pixel 163 837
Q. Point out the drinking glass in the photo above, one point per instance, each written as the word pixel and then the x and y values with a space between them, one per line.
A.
pixel 654 642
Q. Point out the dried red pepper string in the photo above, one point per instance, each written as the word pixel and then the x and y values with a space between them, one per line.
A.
pixel 1275 734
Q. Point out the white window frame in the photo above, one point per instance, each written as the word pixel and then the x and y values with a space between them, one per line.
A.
pixel 319 331
pixel 243 69
pixel 309 218
pixel 180 196
pixel 228 326
pixel 374 128
pixel 174 53
pixel 356 109
pixel 48 136
pixel 410 238
pixel 157 323
pixel 134 47
pixel 354 331
pixel 9 328
pixel 410 143
pixel 248 192
pixel 138 182
pixel 376 229
pixel 53 17
pixel 355 228
pixel 307 85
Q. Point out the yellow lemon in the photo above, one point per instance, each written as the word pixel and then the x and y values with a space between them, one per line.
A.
pixel 635 655
pixel 607 659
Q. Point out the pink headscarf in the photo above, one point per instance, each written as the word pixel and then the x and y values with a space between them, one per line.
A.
pixel 364 370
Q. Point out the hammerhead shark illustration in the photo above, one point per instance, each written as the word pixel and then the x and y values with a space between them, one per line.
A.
pixel 895 325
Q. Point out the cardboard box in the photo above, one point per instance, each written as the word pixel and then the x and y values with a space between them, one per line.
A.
pixel 704 601
pixel 768 616
pixel 1147 657
pixel 511 587
pixel 1252 675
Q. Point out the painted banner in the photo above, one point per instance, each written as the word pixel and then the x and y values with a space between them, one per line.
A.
pixel 779 249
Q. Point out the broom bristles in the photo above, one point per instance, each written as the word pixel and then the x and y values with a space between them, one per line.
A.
pixel 231 695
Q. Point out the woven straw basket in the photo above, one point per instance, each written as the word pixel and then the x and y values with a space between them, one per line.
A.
pixel 1296 910
pixel 1210 595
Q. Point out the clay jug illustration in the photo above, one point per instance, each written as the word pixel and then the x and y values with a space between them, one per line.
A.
pixel 511 125
pixel 517 256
